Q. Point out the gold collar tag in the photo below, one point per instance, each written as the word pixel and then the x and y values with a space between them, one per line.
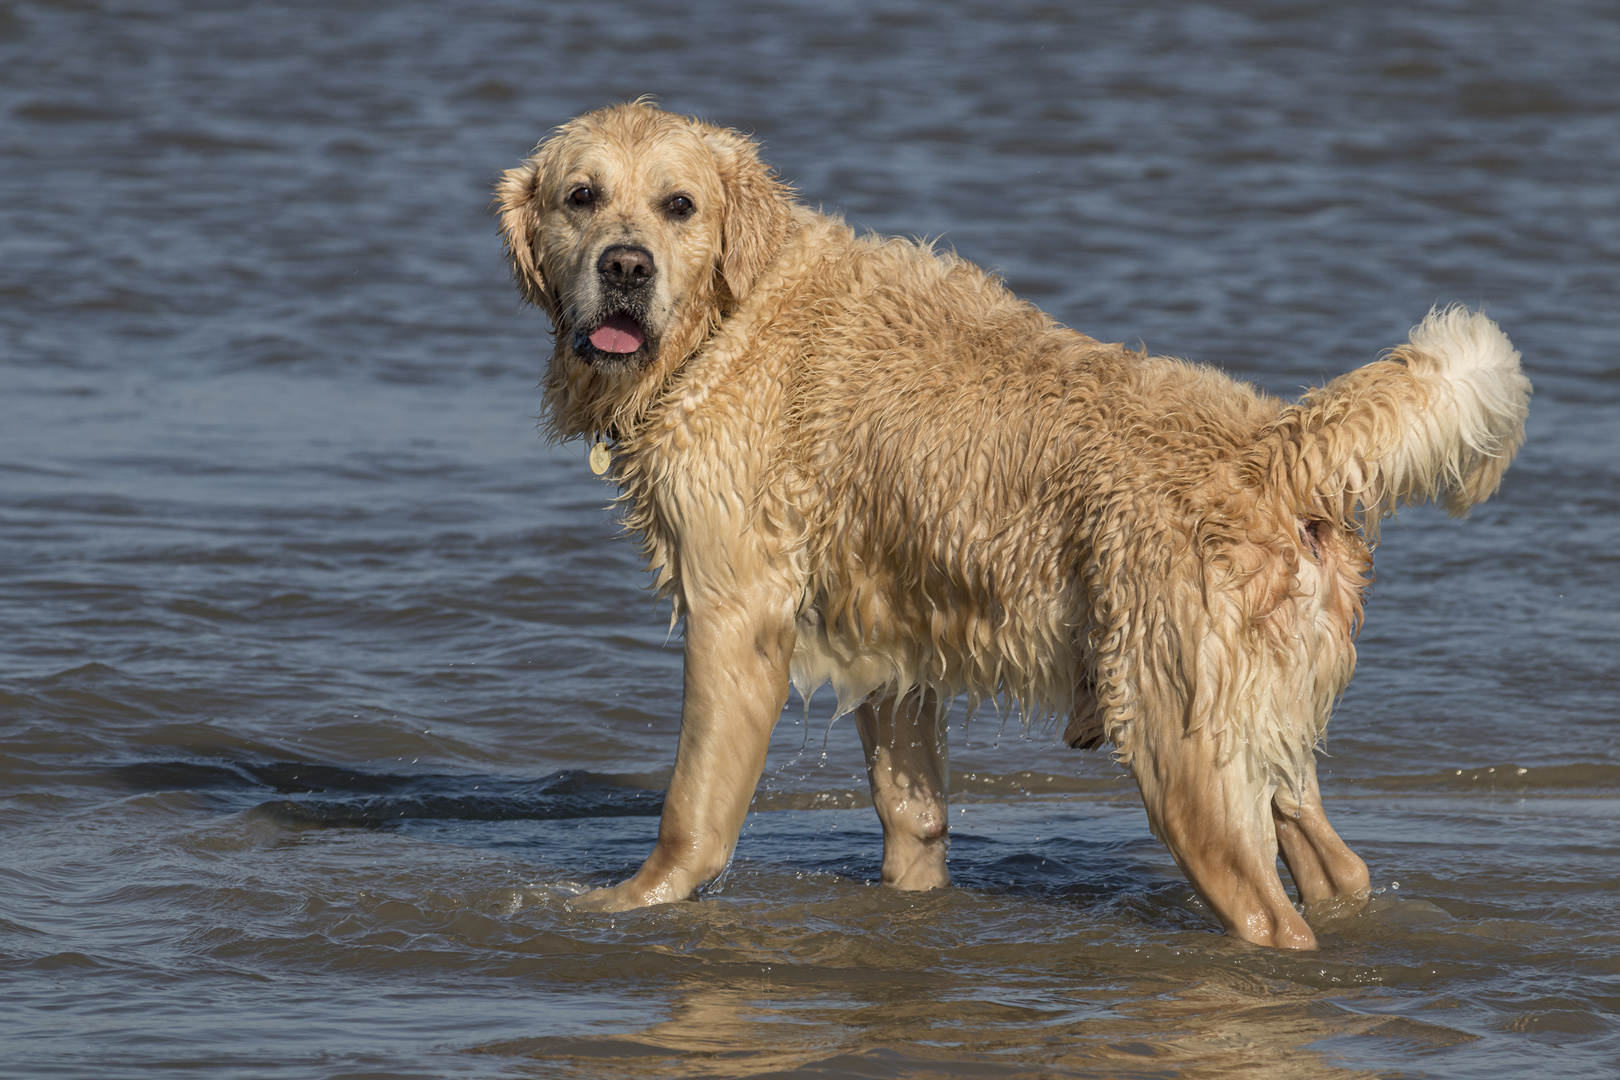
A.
pixel 600 458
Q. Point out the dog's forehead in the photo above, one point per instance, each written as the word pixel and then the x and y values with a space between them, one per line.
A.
pixel 657 160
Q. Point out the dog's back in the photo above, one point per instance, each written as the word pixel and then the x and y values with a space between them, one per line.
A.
pixel 998 505
pixel 975 477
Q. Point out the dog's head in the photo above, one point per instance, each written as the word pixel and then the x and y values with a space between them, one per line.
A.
pixel 636 230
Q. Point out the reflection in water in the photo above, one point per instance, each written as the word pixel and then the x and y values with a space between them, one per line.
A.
pixel 929 1025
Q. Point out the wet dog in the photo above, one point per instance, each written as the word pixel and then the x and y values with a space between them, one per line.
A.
pixel 860 461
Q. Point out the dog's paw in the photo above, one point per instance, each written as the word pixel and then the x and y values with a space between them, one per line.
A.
pixel 612 899
pixel 624 897
pixel 1336 908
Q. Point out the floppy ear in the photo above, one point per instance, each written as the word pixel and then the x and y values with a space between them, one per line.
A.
pixel 757 211
pixel 518 195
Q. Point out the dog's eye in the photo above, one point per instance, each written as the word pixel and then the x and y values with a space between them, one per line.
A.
pixel 679 206
pixel 581 196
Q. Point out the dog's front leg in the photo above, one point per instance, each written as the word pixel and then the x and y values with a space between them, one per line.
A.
pixel 905 762
pixel 736 683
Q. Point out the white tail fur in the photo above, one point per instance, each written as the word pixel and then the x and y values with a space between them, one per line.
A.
pixel 1441 417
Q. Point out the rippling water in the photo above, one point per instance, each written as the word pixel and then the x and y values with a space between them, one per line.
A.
pixel 324 684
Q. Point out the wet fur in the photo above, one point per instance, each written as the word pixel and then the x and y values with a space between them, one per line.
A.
pixel 859 460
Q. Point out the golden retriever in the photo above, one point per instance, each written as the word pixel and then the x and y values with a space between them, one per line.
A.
pixel 858 460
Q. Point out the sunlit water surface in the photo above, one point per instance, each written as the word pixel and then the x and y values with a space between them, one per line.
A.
pixel 324 683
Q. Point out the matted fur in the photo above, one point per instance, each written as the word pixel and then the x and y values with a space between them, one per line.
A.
pixel 858 460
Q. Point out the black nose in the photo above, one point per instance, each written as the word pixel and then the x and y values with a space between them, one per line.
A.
pixel 625 266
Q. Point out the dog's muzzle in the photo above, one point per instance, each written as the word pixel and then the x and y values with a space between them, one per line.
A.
pixel 626 274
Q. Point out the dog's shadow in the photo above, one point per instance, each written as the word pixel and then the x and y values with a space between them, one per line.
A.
pixel 1118 877
pixel 1129 878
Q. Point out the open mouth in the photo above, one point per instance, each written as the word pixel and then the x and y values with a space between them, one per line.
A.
pixel 617 335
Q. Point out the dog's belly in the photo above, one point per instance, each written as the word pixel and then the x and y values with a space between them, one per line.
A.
pixel 821 657
pixel 1032 655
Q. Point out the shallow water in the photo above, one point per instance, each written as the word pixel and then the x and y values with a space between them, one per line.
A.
pixel 324 684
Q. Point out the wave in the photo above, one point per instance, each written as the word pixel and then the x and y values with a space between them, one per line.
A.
pixel 352 798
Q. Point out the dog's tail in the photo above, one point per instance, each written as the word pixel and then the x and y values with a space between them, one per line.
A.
pixel 1440 417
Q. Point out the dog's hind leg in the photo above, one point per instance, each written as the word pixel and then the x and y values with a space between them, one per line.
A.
pixel 906 763
pixel 1322 866
pixel 1213 812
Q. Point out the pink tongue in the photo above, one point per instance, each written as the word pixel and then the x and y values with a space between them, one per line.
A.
pixel 618 334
